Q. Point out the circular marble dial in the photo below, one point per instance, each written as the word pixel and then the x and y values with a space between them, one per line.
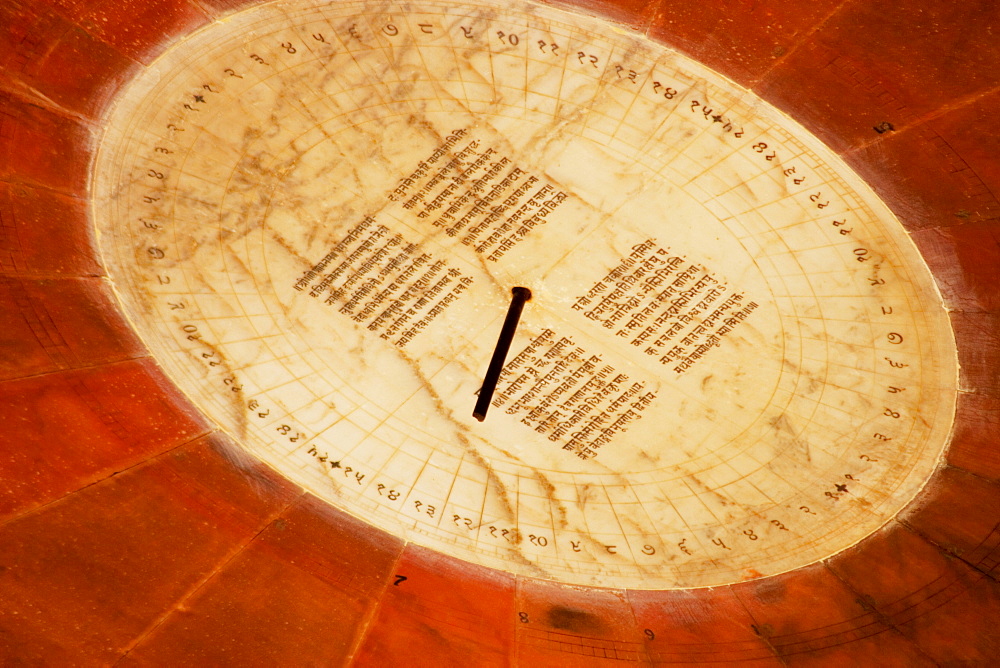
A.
pixel 734 362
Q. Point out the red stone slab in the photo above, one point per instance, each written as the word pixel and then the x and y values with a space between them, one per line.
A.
pixel 562 625
pixel 706 627
pixel 810 617
pixel 964 259
pixel 84 577
pixel 41 147
pixel 978 338
pixel 958 512
pixel 58 63
pixel 299 594
pixel 974 440
pixel 739 39
pixel 140 29
pixel 25 29
pixel 946 608
pixel 870 64
pixel 364 555
pixel 52 324
pixel 30 219
pixel 64 431
pixel 30 347
pixel 443 613
pixel 943 172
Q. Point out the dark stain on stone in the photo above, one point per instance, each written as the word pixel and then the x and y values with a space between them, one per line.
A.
pixel 571 619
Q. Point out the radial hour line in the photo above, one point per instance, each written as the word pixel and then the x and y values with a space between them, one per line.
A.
pixel 518 297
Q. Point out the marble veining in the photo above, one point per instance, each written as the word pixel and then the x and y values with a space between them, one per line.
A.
pixel 734 363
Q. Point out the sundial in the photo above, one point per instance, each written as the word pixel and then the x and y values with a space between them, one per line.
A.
pixel 733 363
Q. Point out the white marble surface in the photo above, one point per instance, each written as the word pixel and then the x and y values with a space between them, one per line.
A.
pixel 246 153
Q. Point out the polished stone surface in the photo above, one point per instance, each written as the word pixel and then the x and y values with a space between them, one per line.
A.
pixel 734 362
